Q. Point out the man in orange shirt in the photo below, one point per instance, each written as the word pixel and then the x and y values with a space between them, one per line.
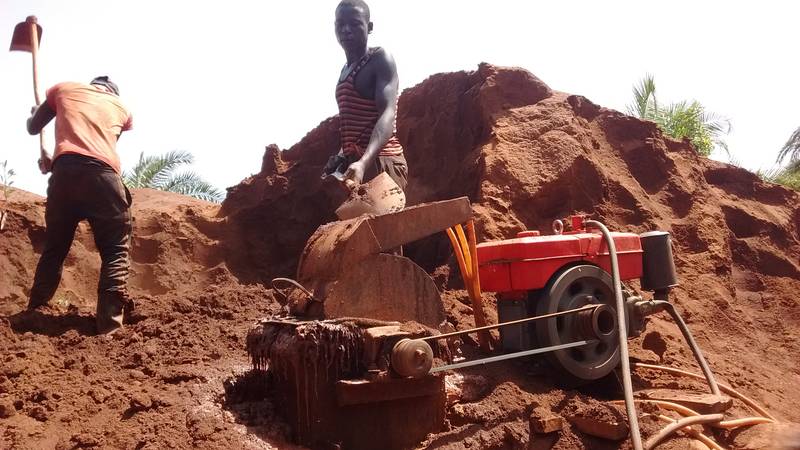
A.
pixel 85 184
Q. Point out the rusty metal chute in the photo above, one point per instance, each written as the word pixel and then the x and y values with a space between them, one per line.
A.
pixel 349 266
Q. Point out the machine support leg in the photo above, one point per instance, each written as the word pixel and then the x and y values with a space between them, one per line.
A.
pixel 698 355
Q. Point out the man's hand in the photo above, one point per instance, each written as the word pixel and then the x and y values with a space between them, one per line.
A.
pixel 45 162
pixel 355 172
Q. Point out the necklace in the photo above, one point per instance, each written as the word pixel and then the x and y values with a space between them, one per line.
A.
pixel 349 68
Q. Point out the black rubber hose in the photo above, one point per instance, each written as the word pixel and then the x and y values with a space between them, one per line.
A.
pixel 627 386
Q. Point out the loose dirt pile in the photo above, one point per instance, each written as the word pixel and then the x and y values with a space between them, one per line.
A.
pixel 524 154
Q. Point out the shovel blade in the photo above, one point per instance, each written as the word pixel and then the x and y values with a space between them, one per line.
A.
pixel 21 39
pixel 381 195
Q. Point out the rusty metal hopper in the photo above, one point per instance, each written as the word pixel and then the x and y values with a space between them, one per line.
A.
pixel 344 265
pixel 21 40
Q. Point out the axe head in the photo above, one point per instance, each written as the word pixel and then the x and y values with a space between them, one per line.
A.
pixel 22 41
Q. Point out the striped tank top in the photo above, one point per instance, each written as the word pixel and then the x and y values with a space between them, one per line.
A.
pixel 358 116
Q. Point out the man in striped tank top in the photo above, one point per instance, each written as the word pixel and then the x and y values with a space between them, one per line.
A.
pixel 367 97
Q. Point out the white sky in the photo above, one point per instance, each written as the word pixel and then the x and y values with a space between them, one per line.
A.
pixel 224 79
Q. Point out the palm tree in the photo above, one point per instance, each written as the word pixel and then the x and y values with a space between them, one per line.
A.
pixel 158 172
pixel 788 176
pixel 791 148
pixel 680 120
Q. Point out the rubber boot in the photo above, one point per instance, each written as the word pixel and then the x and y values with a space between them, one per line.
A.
pixel 110 308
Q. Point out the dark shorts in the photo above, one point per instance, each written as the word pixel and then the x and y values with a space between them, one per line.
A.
pixel 394 166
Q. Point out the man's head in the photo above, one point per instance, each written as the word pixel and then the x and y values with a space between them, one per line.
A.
pixel 107 84
pixel 352 24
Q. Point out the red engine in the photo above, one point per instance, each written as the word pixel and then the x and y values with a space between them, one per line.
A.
pixel 541 275
pixel 528 261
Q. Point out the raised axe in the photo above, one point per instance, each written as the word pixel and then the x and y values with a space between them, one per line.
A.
pixel 26 38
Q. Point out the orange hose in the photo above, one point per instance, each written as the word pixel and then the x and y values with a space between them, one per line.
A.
pixel 695 434
pixel 680 409
pixel 469 284
pixel 683 410
pixel 473 251
pixel 462 239
pixel 679 424
pixel 459 255
pixel 727 389
pixel 477 301
pixel 743 422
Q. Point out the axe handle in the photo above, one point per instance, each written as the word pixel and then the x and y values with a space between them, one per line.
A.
pixel 34 58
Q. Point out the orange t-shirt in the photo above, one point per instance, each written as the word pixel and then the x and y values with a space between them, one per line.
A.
pixel 88 121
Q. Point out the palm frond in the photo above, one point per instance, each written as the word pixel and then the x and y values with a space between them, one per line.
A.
pixel 788 176
pixel 681 120
pixel 154 171
pixel 791 148
pixel 645 105
pixel 189 183
pixel 158 172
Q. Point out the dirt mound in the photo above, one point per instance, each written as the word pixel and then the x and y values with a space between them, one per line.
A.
pixel 161 382
pixel 523 153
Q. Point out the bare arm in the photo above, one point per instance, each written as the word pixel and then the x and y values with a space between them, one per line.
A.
pixel 386 87
pixel 39 118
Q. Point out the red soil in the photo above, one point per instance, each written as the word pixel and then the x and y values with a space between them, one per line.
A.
pixel 524 154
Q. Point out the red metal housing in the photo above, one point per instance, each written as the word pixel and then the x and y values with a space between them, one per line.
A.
pixel 528 261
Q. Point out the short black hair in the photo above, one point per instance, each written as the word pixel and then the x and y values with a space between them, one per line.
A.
pixel 104 81
pixel 356 4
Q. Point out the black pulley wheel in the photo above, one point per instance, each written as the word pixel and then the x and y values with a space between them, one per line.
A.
pixel 573 288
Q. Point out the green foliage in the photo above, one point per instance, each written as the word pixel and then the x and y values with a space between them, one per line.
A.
pixel 791 149
pixel 6 176
pixel 788 176
pixel 159 172
pixel 680 120
pixel 644 104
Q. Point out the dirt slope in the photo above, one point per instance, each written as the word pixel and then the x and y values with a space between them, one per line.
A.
pixel 523 153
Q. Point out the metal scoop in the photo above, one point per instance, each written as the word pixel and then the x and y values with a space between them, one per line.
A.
pixel 381 195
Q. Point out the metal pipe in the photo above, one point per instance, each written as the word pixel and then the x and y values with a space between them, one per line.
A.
pixel 698 355
pixel 510 356
pixel 630 407
pixel 294 284
pixel 513 322
pixel 678 424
